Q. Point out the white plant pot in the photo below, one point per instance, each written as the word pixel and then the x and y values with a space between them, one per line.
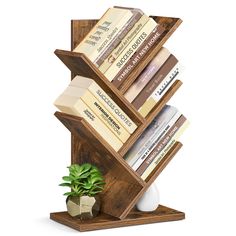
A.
pixel 150 199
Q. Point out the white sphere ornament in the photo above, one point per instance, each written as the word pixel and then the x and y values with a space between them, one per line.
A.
pixel 150 199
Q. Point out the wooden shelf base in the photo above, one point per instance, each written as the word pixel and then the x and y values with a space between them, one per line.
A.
pixel 104 221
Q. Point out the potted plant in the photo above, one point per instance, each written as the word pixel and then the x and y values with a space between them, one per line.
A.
pixel 85 182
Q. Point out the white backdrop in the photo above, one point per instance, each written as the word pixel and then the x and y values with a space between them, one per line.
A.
pixel 35 146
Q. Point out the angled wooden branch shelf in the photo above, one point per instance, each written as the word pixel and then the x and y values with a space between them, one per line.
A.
pixel 124 187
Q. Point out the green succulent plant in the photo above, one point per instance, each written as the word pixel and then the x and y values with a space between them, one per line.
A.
pixel 84 180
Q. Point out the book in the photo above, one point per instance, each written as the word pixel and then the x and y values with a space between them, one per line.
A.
pixel 143 142
pixel 172 129
pixel 131 48
pixel 104 99
pixel 74 106
pixel 154 82
pixel 165 129
pixel 122 45
pixel 160 155
pixel 160 90
pixel 136 15
pixel 90 100
pixel 103 32
pixel 138 56
pixel 147 74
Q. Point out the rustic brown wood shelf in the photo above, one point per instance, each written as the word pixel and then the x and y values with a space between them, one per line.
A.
pixel 124 187
pixel 104 221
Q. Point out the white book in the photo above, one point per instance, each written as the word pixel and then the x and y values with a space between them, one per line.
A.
pixel 165 150
pixel 154 141
pixel 154 128
pixel 160 90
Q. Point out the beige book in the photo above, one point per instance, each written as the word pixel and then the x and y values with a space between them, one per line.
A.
pixel 103 32
pixel 122 45
pixel 160 90
pixel 169 145
pixel 109 104
pixel 91 101
pixel 129 51
pixel 77 107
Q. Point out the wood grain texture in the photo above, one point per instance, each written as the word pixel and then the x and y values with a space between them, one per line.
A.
pixel 104 221
pixel 170 24
pixel 152 114
pixel 79 64
pixel 124 186
pixel 122 183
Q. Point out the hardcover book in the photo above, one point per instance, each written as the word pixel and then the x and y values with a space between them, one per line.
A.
pixel 143 142
pixel 104 99
pixel 133 46
pixel 103 32
pixel 154 82
pixel 147 74
pixel 137 14
pixel 77 107
pixel 98 108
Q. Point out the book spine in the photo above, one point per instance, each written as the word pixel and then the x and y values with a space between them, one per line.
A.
pixel 112 107
pixel 77 107
pixel 122 45
pixel 109 48
pixel 147 74
pixel 155 140
pixel 138 56
pixel 161 144
pixel 90 100
pixel 164 151
pixel 165 115
pixel 103 32
pixel 160 91
pixel 154 82
pixel 133 46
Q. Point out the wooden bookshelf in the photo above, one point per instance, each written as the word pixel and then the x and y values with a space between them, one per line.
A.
pixel 124 187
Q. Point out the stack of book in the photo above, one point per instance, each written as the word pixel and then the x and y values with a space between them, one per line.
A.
pixel 119 41
pixel 85 98
pixel 156 141
pixel 153 82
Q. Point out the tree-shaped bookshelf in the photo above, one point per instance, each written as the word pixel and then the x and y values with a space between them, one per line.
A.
pixel 124 187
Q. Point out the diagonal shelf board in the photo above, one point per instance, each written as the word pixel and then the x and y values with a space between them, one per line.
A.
pixel 166 159
pixel 79 64
pixel 153 113
pixel 124 186
pixel 104 221
pixel 122 183
pixel 170 24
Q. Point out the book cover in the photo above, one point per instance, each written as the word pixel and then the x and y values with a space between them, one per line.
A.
pixel 133 46
pixel 109 104
pixel 77 107
pixel 154 128
pixel 137 14
pixel 138 56
pixel 157 157
pixel 156 140
pixel 154 82
pixel 147 74
pixel 90 100
pixel 103 32
pixel 160 90
pixel 122 45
